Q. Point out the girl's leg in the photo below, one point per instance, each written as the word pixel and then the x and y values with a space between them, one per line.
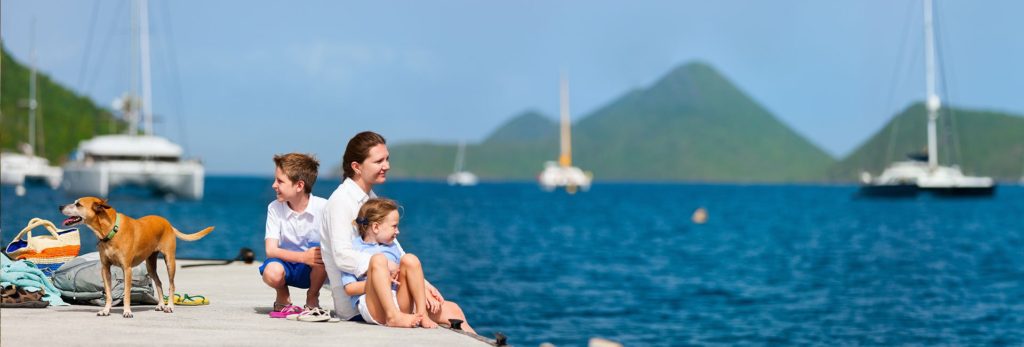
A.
pixel 451 310
pixel 378 296
pixel 412 292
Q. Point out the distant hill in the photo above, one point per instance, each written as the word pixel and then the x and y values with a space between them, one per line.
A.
pixel 981 142
pixel 692 125
pixel 65 117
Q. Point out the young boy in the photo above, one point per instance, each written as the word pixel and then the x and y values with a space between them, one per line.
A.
pixel 293 238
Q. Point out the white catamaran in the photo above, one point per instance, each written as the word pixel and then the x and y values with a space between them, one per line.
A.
pixel 923 173
pixel 563 174
pixel 108 161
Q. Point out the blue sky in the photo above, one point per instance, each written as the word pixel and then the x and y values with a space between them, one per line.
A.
pixel 255 78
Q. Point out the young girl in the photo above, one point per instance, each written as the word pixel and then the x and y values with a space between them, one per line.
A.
pixel 377 223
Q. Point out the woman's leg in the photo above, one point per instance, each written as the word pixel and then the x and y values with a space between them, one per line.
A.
pixel 379 298
pixel 412 293
pixel 450 310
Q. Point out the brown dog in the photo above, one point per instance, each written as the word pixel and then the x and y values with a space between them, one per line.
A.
pixel 126 242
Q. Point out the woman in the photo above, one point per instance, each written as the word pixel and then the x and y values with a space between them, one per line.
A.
pixel 365 164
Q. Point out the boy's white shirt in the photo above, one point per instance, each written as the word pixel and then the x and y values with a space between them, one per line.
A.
pixel 295 230
pixel 336 237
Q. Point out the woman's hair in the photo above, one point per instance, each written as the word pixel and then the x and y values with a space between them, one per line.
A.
pixel 373 211
pixel 358 149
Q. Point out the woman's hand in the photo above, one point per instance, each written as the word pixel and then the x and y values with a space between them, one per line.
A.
pixel 434 298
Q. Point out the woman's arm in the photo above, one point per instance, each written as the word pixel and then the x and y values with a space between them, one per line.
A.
pixel 338 223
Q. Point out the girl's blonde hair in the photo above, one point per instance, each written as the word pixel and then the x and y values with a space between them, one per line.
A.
pixel 373 211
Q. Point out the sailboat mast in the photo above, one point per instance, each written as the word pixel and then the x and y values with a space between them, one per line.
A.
pixel 147 92
pixel 32 93
pixel 460 156
pixel 932 102
pixel 565 159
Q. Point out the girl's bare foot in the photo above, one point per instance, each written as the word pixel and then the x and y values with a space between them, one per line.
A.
pixel 427 323
pixel 404 320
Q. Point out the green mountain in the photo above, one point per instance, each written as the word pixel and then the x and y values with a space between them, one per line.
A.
pixel 692 124
pixel 64 117
pixel 981 142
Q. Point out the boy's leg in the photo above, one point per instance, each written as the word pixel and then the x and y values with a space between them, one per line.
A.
pixel 317 276
pixel 379 297
pixel 412 288
pixel 274 276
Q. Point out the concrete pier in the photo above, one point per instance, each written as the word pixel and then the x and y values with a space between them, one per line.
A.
pixel 236 316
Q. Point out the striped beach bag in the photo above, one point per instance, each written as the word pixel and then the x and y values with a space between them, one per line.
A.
pixel 48 252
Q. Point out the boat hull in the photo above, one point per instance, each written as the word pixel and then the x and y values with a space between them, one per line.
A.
pixel 889 191
pixel 181 179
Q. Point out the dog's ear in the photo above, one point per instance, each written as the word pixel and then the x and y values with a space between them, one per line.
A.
pixel 100 206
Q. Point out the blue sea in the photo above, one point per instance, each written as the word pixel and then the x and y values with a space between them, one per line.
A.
pixel 773 265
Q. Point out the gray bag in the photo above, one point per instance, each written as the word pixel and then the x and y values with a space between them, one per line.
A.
pixel 79 281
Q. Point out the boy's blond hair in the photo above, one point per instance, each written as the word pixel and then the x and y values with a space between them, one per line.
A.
pixel 299 167
pixel 373 211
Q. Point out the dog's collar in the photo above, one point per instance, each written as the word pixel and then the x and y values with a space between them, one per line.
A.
pixel 117 225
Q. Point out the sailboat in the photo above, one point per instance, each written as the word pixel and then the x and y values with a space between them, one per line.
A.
pixel 562 173
pixel 922 173
pixel 17 169
pixel 459 176
pixel 104 162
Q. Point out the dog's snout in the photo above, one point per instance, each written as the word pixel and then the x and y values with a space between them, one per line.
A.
pixel 60 208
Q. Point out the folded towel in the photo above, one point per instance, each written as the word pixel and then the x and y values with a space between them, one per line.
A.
pixel 26 275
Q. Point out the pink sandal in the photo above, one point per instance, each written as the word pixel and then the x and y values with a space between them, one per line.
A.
pixel 285 311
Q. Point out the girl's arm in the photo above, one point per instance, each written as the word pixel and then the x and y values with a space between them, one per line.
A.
pixel 355 288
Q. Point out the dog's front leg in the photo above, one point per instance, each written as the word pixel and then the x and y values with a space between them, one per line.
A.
pixel 127 291
pixel 105 273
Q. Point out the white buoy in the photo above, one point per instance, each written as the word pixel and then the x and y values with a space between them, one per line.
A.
pixel 19 190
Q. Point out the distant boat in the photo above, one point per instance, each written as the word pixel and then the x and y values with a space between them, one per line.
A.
pixel 922 173
pixel 563 174
pixel 17 169
pixel 460 177
pixel 105 162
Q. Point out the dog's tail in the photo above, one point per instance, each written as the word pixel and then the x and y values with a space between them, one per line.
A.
pixel 192 237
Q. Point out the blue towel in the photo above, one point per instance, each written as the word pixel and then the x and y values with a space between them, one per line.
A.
pixel 26 275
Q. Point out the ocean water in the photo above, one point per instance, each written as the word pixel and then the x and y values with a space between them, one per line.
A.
pixel 774 264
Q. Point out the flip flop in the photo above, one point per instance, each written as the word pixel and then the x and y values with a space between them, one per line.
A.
pixel 284 312
pixel 188 300
pixel 311 314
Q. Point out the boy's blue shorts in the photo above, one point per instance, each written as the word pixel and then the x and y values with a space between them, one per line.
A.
pixel 295 274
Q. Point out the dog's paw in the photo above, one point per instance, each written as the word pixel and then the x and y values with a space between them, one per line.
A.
pixel 127 314
pixel 103 313
pixel 168 309
pixel 160 308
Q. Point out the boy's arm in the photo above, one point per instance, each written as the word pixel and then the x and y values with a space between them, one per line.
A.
pixel 308 257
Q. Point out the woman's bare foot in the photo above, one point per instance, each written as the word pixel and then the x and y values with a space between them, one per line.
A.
pixel 427 323
pixel 404 320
